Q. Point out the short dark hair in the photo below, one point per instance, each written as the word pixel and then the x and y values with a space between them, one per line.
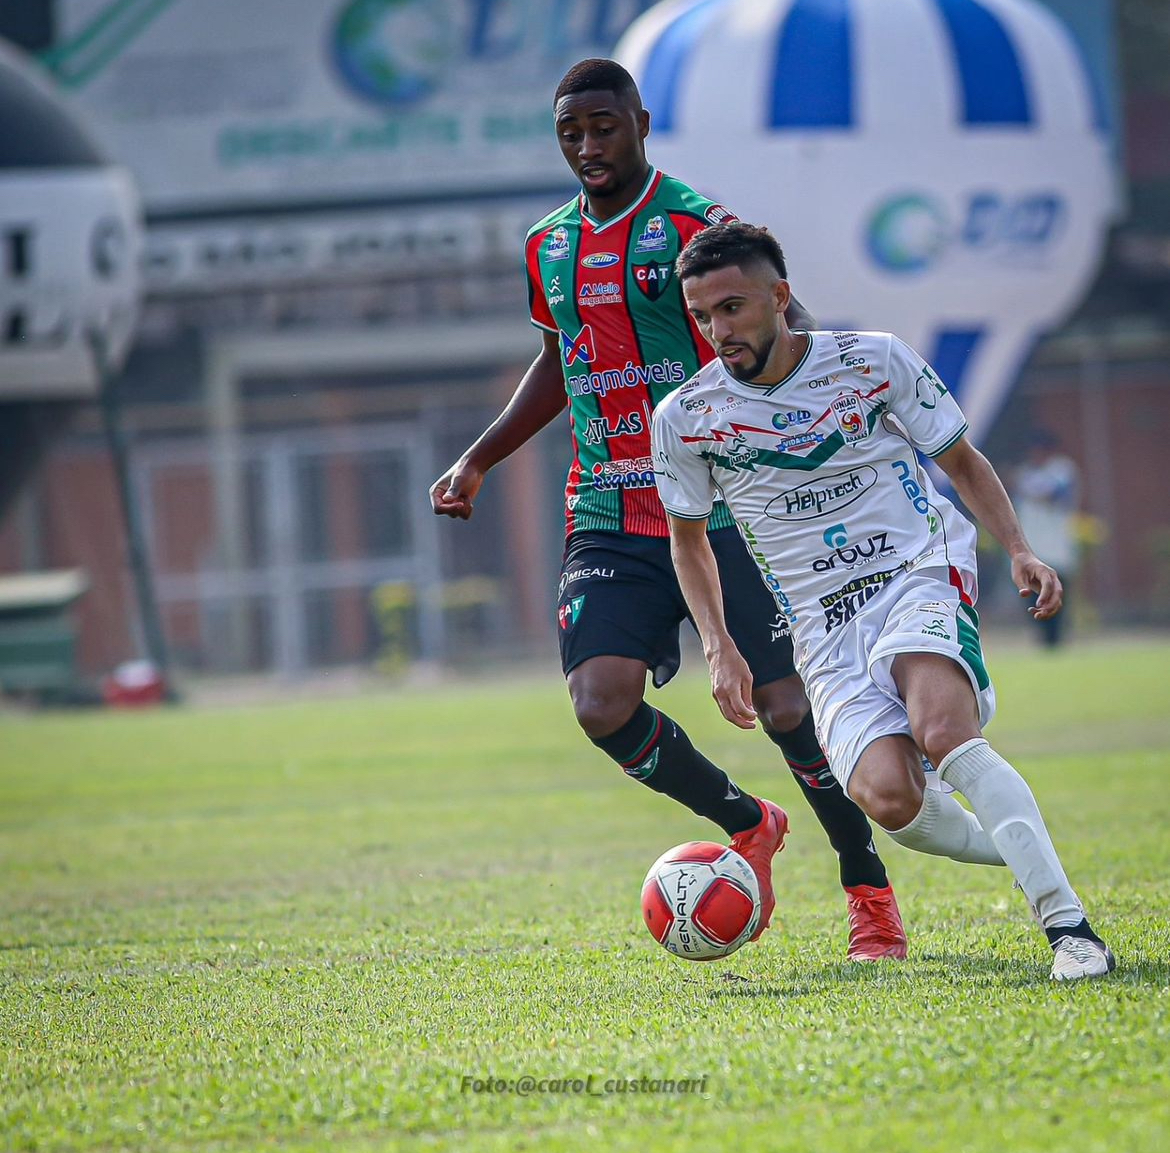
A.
pixel 598 75
pixel 732 243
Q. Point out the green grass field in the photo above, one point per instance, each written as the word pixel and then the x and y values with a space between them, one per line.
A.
pixel 303 926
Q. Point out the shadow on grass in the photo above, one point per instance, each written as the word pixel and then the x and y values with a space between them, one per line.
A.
pixel 933 969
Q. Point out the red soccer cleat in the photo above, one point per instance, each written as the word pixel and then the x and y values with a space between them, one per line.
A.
pixel 875 925
pixel 758 845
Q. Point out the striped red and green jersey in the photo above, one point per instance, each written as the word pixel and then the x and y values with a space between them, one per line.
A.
pixel 609 290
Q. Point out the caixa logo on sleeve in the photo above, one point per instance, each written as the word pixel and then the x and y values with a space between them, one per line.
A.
pixel 912 232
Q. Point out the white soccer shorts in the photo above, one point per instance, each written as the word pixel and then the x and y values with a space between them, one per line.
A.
pixel 850 684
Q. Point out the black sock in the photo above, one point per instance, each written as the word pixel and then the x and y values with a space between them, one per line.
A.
pixel 652 749
pixel 848 830
pixel 1081 930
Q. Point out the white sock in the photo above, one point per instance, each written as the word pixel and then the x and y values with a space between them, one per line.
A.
pixel 943 827
pixel 1007 810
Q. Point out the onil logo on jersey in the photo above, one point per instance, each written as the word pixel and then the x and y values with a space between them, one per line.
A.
pixel 558 244
pixel 850 417
pixel 653 237
pixel 600 260
pixel 652 278
pixel 578 348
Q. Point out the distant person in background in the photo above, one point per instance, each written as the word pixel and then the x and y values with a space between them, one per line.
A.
pixel 1046 494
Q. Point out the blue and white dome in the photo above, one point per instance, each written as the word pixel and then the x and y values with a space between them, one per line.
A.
pixel 940 168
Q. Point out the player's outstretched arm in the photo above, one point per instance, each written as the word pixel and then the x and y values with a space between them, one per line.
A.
pixel 539 399
pixel 698 577
pixel 983 493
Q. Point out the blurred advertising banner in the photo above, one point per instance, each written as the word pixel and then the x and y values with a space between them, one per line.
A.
pixel 70 244
pixel 221 105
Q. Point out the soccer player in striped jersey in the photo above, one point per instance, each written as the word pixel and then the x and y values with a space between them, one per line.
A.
pixel 616 339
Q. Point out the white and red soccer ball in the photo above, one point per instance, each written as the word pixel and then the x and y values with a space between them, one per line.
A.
pixel 701 901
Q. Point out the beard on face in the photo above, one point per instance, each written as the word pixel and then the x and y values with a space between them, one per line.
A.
pixel 749 370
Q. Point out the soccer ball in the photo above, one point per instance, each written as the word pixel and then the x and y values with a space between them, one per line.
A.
pixel 701 901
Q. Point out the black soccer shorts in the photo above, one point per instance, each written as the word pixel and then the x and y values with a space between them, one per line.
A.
pixel 618 596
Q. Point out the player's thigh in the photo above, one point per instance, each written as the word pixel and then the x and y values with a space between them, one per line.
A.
pixel 928 616
pixel 753 618
pixel 940 701
pixel 618 597
pixel 850 711
pixel 888 780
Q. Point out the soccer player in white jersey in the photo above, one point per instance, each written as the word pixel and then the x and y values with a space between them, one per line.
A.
pixel 810 438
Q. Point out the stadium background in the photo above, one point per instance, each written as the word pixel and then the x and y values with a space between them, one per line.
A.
pixel 334 308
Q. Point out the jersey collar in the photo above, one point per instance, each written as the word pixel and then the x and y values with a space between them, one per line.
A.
pixel 643 196
pixel 768 389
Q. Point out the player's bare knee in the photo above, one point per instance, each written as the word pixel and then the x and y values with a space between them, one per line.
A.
pixel 781 705
pixel 937 736
pixel 892 804
pixel 601 711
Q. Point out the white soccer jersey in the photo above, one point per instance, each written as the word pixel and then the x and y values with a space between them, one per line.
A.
pixel 820 473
